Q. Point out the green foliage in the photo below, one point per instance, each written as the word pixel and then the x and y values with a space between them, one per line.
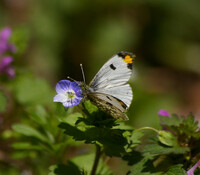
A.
pixel 2 102
pixel 96 128
pixel 181 139
pixel 61 169
pixel 39 137
pixel 30 90
pixel 176 170
pixel 29 131
pixel 170 151
pixel 20 38
pixel 167 138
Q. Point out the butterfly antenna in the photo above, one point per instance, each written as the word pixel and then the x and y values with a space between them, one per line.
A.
pixel 71 79
pixel 82 72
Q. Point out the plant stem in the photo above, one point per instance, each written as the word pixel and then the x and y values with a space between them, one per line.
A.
pixel 147 128
pixel 97 158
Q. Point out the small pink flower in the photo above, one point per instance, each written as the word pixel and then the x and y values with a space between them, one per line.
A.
pixel 163 112
pixel 4 41
pixel 5 66
pixel 5 46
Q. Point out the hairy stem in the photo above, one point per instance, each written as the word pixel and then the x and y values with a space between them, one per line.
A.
pixel 97 158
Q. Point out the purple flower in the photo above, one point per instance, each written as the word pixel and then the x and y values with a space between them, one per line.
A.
pixel 69 93
pixel 191 171
pixel 163 112
pixel 4 44
pixel 5 66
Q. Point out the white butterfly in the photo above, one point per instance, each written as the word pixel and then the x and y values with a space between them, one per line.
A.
pixel 109 90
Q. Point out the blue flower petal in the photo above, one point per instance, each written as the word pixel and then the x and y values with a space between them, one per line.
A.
pixel 78 90
pixel 71 102
pixel 60 98
pixel 75 86
pixel 62 86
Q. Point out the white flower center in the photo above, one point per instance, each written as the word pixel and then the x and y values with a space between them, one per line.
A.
pixel 70 94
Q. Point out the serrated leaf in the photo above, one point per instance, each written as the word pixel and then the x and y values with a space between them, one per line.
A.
pixel 72 118
pixel 29 131
pixel 174 120
pixel 70 130
pixel 135 138
pixel 96 117
pixel 176 170
pixel 61 169
pixel 155 150
pixel 190 127
pixel 112 139
pixel 133 157
pixel 143 167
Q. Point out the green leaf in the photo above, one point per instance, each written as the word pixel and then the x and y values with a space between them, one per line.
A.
pixel 176 170
pixel 20 37
pixel 81 162
pixel 25 145
pixel 135 138
pixel 90 107
pixel 95 117
pixel 155 150
pixel 167 138
pixel 2 102
pixel 112 140
pixel 70 130
pixel 29 131
pixel 61 169
pixel 184 128
pixel 133 157
pixel 174 120
pixel 32 91
pixel 190 127
pixel 143 167
pixel 72 118
pixel 38 114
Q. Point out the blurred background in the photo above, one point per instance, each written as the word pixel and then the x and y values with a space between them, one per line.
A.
pixel 59 35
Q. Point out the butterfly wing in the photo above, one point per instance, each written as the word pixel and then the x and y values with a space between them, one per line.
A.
pixel 111 79
pixel 109 104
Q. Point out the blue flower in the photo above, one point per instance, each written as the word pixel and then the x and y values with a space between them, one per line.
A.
pixel 69 93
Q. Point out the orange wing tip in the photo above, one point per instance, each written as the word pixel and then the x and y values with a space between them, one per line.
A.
pixel 128 59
